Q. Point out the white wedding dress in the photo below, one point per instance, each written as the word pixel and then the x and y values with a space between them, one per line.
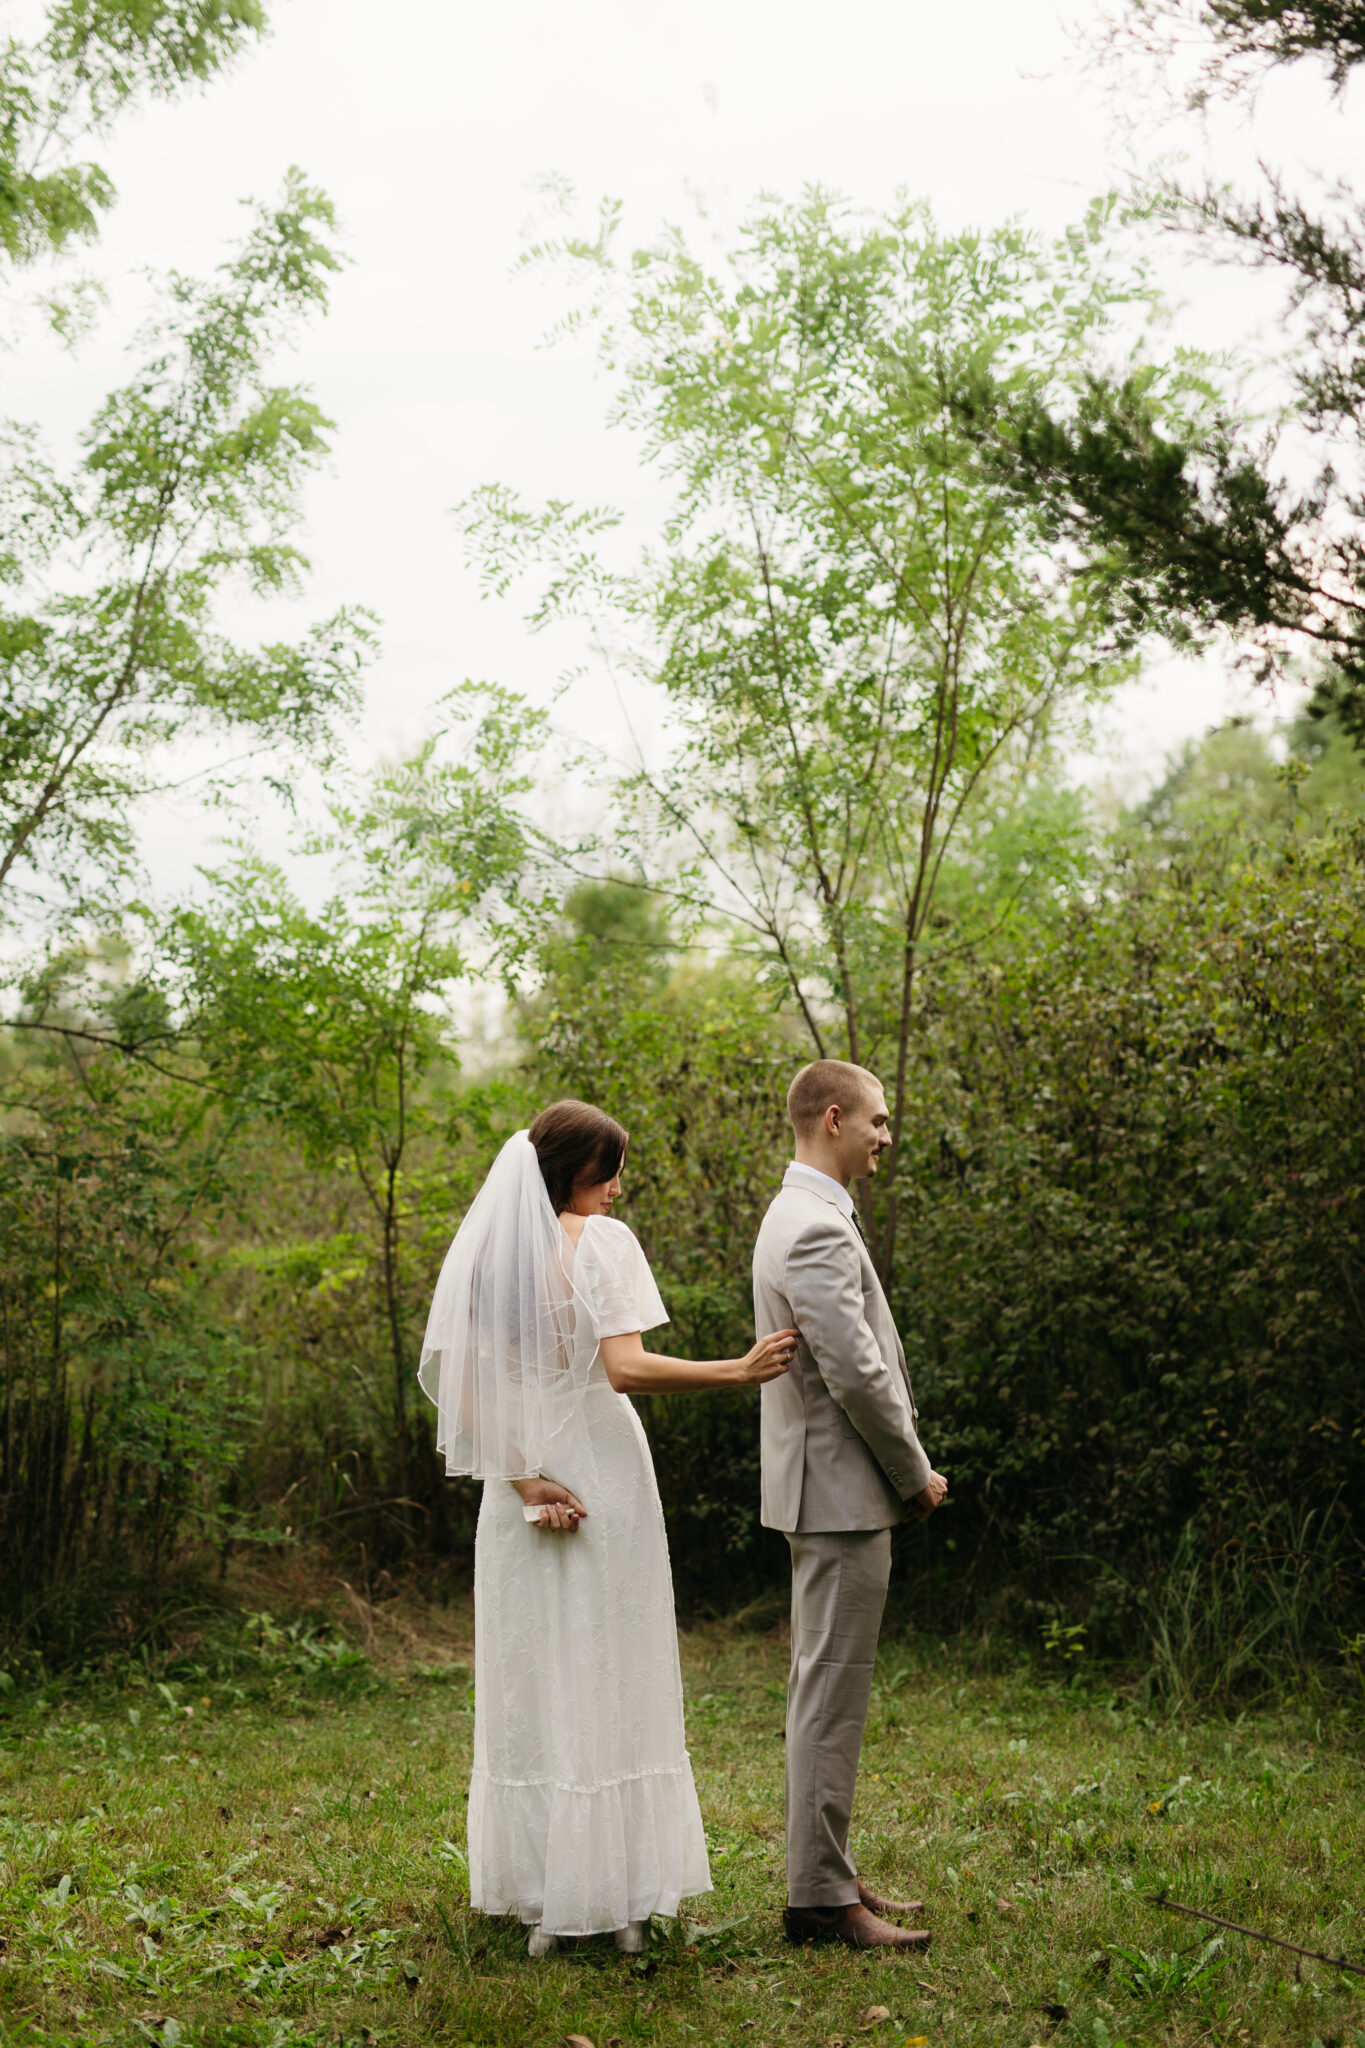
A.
pixel 582 1811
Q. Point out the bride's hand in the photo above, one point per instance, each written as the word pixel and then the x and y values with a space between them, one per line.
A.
pixel 770 1357
pixel 559 1509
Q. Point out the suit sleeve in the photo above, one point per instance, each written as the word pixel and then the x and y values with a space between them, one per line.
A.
pixel 824 1286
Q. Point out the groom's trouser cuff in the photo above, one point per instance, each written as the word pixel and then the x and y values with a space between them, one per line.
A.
pixel 839 1583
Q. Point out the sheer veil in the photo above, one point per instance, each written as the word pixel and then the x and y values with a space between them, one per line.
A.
pixel 499 1359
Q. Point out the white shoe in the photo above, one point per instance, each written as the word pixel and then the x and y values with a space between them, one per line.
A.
pixel 630 1939
pixel 541 1943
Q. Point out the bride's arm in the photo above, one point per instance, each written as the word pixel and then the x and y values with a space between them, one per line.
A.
pixel 633 1370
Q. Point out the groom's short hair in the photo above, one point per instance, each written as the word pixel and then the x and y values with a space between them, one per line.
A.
pixel 826 1084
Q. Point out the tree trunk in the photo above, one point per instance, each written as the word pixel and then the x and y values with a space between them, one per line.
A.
pixel 400 1360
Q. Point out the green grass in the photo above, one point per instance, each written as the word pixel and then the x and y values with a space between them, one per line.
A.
pixel 267 1849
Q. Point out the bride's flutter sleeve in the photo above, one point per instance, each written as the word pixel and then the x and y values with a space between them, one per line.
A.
pixel 613 1282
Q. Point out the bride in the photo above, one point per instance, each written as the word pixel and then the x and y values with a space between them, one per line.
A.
pixel 583 1817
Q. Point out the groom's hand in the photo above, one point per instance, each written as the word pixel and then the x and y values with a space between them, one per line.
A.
pixel 922 1504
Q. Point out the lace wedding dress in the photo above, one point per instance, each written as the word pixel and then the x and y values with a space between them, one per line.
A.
pixel 582 1811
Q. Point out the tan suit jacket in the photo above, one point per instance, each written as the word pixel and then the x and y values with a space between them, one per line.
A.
pixel 838 1432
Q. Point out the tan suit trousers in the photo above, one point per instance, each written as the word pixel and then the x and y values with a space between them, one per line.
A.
pixel 839 1583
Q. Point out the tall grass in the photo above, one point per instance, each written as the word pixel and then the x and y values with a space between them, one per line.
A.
pixel 1253 1615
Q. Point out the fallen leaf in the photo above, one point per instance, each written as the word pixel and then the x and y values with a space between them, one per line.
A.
pixel 1006 1905
pixel 577 2041
pixel 875 2014
pixel 916 2041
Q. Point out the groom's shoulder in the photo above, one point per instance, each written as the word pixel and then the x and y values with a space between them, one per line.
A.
pixel 797 1212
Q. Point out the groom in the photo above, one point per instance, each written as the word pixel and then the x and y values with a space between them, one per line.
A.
pixel 842 1463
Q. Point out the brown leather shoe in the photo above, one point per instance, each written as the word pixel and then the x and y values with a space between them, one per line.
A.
pixel 904 1909
pixel 853 1925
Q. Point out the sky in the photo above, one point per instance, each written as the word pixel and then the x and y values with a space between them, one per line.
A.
pixel 430 126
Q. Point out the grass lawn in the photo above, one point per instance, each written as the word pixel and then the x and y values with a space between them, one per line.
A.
pixel 266 1847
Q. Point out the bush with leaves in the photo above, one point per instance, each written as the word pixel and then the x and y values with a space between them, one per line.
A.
pixel 125 1408
pixel 1134 1290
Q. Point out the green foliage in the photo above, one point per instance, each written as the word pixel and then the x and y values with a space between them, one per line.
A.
pixel 1237 528
pixel 1133 1282
pixel 1250 38
pixel 1252 1613
pixel 330 1024
pixel 1230 787
pixel 260 1843
pixel 697 1072
pixel 1131 1286
pixel 94 60
pixel 189 481
pixel 857 625
pixel 612 928
pixel 1127 1080
pixel 313 1051
pixel 123 1396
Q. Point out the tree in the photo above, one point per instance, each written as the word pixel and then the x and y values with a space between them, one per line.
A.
pixel 1133 1294
pixel 855 624
pixel 1255 534
pixel 121 1417
pixel 608 929
pixel 1205 533
pixel 1240 40
pixel 334 1025
pixel 189 478
pixel 94 60
pixel 1229 788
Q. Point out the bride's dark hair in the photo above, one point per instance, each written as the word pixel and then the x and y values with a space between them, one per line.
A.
pixel 576 1145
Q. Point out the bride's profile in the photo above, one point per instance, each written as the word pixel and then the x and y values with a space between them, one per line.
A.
pixel 583 1817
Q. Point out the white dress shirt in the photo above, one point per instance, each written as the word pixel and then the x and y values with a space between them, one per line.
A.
pixel 833 1190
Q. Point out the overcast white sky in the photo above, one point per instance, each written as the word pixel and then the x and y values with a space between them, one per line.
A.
pixel 429 123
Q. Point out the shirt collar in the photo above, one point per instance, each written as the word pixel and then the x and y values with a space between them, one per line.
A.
pixel 819 1183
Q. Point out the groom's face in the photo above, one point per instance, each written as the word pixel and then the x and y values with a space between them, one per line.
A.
pixel 864 1134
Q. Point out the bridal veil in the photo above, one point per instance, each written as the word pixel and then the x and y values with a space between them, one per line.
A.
pixel 503 1360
